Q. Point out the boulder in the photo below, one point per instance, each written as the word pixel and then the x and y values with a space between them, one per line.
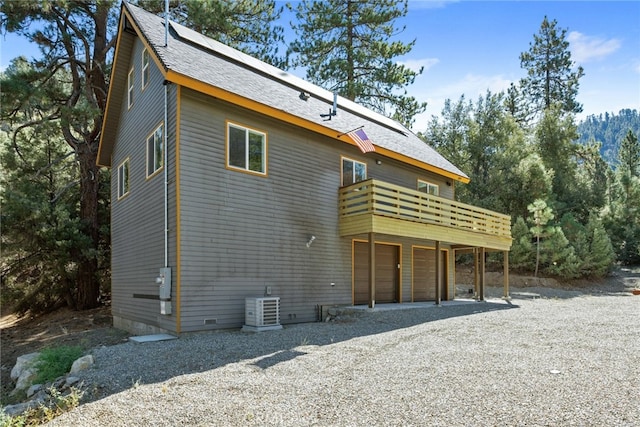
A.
pixel 70 382
pixel 33 390
pixel 22 363
pixel 26 379
pixel 81 364
pixel 20 408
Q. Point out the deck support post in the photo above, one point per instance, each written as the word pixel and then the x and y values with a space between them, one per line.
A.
pixel 438 272
pixel 476 275
pixel 506 275
pixel 482 278
pixel 372 270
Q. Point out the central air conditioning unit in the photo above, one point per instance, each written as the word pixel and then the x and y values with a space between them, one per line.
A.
pixel 262 314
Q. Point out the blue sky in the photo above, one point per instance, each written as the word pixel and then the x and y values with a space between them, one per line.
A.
pixel 467 47
pixel 470 46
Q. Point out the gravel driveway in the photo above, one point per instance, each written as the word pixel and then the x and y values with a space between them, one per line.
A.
pixel 548 358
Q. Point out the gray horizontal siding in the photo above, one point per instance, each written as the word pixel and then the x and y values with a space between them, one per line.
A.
pixel 241 233
pixel 137 220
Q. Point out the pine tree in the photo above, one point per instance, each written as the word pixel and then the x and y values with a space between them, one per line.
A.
pixel 591 244
pixel 71 79
pixel 552 78
pixel 622 217
pixel 558 257
pixel 345 47
pixel 554 136
pixel 247 25
pixel 629 154
pixel 516 105
pixel 601 254
pixel 521 254
pixel 542 214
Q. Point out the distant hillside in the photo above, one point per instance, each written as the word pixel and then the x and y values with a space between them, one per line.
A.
pixel 609 129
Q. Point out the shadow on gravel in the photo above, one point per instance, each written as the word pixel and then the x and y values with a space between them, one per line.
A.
pixel 118 367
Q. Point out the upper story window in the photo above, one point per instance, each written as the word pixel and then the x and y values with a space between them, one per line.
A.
pixel 155 150
pixel 353 171
pixel 145 68
pixel 246 149
pixel 123 179
pixel 428 187
pixel 130 79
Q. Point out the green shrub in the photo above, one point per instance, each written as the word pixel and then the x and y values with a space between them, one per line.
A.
pixel 55 362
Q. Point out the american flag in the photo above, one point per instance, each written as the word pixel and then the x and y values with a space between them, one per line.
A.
pixel 362 140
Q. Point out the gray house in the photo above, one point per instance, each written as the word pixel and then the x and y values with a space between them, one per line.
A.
pixel 234 180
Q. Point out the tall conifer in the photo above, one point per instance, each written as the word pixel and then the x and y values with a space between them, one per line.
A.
pixel 347 47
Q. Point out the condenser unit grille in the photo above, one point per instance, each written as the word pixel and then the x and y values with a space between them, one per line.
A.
pixel 262 313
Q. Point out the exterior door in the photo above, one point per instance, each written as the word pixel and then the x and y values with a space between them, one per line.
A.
pixel 424 273
pixel 387 273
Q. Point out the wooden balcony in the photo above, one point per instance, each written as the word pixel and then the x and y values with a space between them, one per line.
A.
pixel 379 207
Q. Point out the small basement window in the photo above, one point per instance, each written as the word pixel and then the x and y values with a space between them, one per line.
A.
pixel 246 149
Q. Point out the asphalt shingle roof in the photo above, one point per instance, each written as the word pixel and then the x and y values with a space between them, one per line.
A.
pixel 208 61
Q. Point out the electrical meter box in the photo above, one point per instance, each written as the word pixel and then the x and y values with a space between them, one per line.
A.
pixel 164 282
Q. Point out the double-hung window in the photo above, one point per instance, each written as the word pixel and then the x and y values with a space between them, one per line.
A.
pixel 130 80
pixel 155 150
pixel 246 149
pixel 123 179
pixel 353 171
pixel 428 187
pixel 145 68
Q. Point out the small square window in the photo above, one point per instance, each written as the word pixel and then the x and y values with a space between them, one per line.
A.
pixel 353 171
pixel 428 188
pixel 145 68
pixel 155 150
pixel 130 80
pixel 246 149
pixel 123 179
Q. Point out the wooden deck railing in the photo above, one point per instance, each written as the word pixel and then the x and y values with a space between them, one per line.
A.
pixel 380 198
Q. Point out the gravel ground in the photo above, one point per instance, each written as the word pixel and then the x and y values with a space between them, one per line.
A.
pixel 548 358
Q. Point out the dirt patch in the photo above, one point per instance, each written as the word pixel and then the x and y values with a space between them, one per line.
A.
pixel 87 329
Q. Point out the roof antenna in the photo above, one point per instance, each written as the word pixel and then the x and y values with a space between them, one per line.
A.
pixel 166 23
pixel 335 108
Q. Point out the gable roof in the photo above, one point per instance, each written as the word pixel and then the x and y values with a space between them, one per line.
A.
pixel 208 66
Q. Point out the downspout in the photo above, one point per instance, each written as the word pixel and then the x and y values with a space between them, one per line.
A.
pixel 164 278
pixel 166 143
pixel 165 161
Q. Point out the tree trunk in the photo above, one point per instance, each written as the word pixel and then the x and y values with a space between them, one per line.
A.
pixel 87 281
pixel 537 255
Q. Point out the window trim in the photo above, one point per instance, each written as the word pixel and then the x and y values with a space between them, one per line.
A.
pixel 342 159
pixel 145 68
pixel 428 184
pixel 265 149
pixel 122 164
pixel 130 87
pixel 153 173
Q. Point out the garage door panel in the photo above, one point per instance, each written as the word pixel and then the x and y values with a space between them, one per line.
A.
pixel 424 273
pixel 387 260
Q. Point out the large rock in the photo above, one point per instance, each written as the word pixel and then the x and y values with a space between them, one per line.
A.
pixel 25 380
pixel 81 364
pixel 20 408
pixel 22 363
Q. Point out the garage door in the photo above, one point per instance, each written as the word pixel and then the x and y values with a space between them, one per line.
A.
pixel 387 261
pixel 424 273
